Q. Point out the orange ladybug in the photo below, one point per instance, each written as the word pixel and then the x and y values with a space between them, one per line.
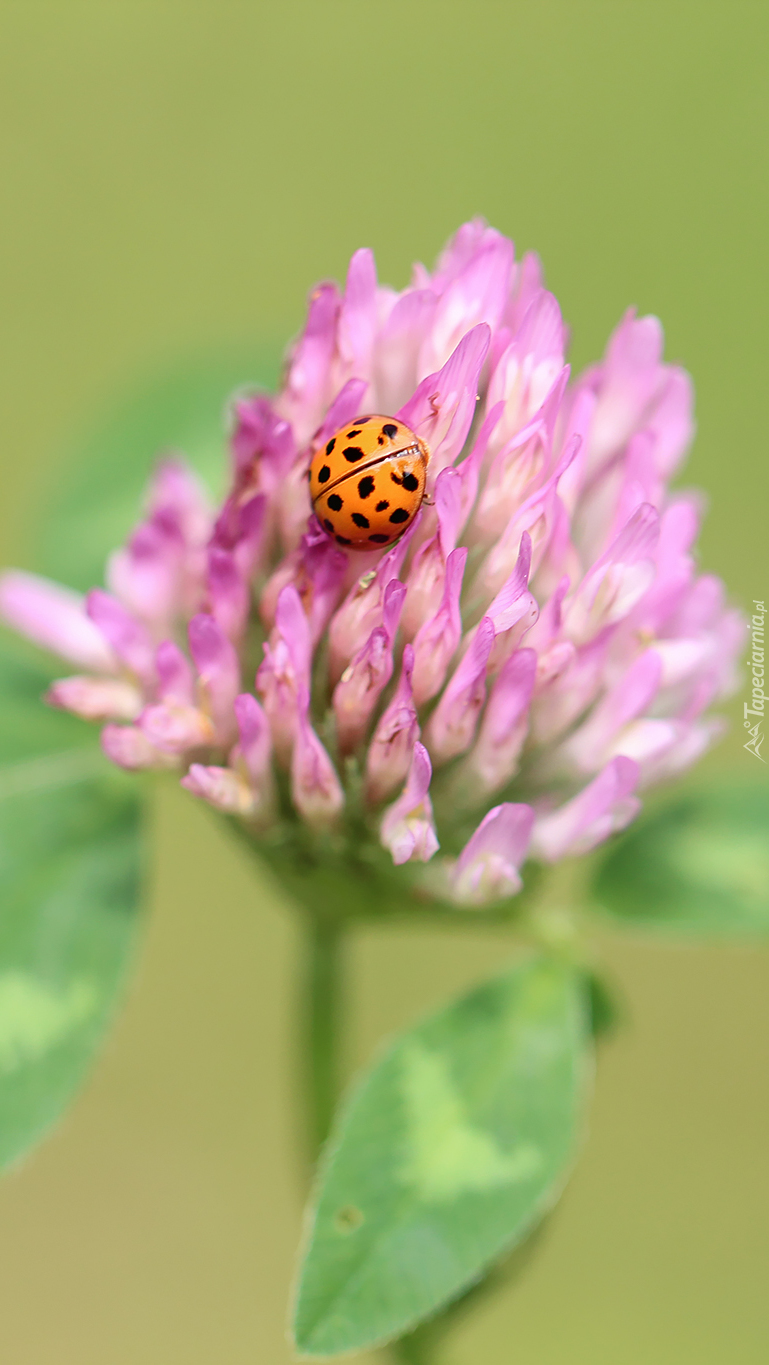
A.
pixel 367 483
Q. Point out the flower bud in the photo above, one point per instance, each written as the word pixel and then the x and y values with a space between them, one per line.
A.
pixel 96 698
pixel 408 828
pixel 315 788
pixel 487 869
pixel 392 745
pixel 54 618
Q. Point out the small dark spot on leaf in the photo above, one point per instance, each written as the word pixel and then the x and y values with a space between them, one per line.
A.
pixel 348 1219
pixel 400 514
pixel 360 520
pixel 353 453
pixel 331 445
pixel 324 474
pixel 335 502
pixel 365 486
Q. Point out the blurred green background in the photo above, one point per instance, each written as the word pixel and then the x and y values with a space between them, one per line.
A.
pixel 175 176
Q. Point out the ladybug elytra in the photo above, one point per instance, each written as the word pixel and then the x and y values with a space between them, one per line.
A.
pixel 368 481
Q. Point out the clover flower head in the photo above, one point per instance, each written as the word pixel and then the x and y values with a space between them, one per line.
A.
pixel 498 685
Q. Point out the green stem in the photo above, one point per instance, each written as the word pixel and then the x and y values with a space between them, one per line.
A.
pixel 321 1011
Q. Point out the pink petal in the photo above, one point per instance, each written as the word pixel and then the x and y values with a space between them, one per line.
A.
pixel 493 761
pixel 175 728
pixel 469 241
pixel 398 347
pixel 627 384
pixel 442 409
pixel 284 676
pixel 672 422
pixel 514 609
pixel 363 681
pixel 601 808
pixel 176 682
pixel 427 575
pixel 96 698
pixel 218 669
pixel 129 747
pixel 452 725
pixel 147 575
pixel 617 581
pixel 530 367
pixel 228 596
pixel 357 317
pixel 176 497
pixel 392 745
pixel 263 445
pixel 407 829
pixel 348 402
pixel 361 611
pixel 241 528
pixel 437 640
pixel 315 788
pixel 476 294
pixel 537 516
pixel 220 787
pixel 130 640
pixel 572 690
pixel 487 868
pixel 470 468
pixel 54 618
pixel 305 394
pixel 589 746
pixel 254 744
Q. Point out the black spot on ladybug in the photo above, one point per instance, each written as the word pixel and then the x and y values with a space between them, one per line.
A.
pixel 353 453
pixel 335 502
pixel 352 434
pixel 395 478
pixel 365 486
pixel 324 474
pixel 411 482
pixel 331 445
pixel 380 441
pixel 342 540
pixel 379 539
pixel 390 430
pixel 360 520
pixel 383 505
pixel 329 525
pixel 400 514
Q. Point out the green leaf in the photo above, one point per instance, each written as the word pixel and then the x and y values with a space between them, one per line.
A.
pixel 100 497
pixel 69 884
pixel 451 1149
pixel 700 864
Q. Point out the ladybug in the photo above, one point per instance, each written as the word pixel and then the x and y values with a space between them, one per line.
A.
pixel 367 483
